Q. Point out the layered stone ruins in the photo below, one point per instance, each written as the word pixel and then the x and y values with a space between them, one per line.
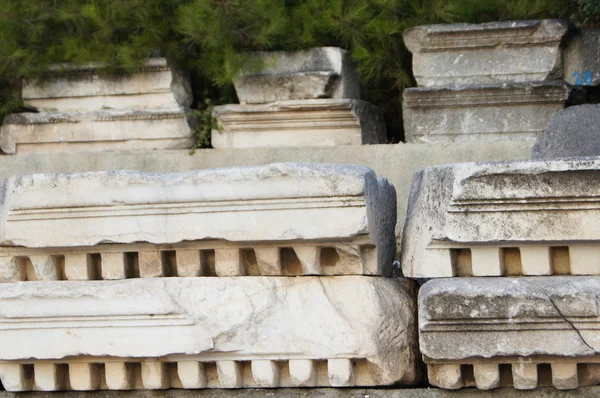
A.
pixel 505 218
pixel 281 219
pixel 305 98
pixel 207 333
pixel 60 233
pixel 89 109
pixel 521 332
pixel 494 81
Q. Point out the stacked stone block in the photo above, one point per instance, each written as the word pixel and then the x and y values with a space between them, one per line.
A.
pixel 265 276
pixel 513 253
pixel 89 108
pixel 305 98
pixel 493 81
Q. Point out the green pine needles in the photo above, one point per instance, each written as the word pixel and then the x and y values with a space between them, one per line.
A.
pixel 210 37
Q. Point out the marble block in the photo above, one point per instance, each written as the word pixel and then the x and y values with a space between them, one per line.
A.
pixel 72 88
pixel 324 72
pixel 318 122
pixel 519 111
pixel 504 218
pixel 520 332
pixel 230 333
pixel 96 131
pixel 279 219
pixel 489 53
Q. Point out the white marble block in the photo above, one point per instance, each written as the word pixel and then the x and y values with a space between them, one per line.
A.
pixel 279 219
pixel 86 108
pixel 316 122
pixel 324 72
pixel 525 332
pixel 504 219
pixel 516 111
pixel 73 88
pixel 489 53
pixel 229 333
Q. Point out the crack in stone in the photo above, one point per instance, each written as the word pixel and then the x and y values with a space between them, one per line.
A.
pixel 567 321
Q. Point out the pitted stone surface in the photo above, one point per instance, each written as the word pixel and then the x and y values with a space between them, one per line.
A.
pixel 572 132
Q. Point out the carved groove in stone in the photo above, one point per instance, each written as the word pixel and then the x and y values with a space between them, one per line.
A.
pixel 115 262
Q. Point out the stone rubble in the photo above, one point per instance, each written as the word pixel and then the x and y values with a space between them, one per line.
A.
pixel 88 109
pixel 304 98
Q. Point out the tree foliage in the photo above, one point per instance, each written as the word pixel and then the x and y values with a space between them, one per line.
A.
pixel 210 37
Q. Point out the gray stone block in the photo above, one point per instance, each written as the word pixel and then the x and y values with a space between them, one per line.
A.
pixel 481 113
pixel 574 131
pixel 473 331
pixel 490 53
pixel 324 72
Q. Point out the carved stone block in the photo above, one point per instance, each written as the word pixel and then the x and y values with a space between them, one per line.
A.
pixel 230 333
pixel 280 219
pixel 489 53
pixel 504 218
pixel 318 122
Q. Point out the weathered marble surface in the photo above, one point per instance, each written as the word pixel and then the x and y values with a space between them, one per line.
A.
pixel 515 218
pixel 481 112
pixel 88 88
pixel 489 53
pixel 259 332
pixel 318 122
pixel 96 131
pixel 324 72
pixel 574 131
pixel 474 330
pixel 343 206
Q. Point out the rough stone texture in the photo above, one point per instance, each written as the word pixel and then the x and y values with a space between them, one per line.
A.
pixel 96 131
pixel 321 122
pixel 574 131
pixel 88 88
pixel 582 58
pixel 396 162
pixel 490 53
pixel 540 218
pixel 234 323
pixel 493 325
pixel 582 392
pixel 324 72
pixel 481 113
pixel 287 202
